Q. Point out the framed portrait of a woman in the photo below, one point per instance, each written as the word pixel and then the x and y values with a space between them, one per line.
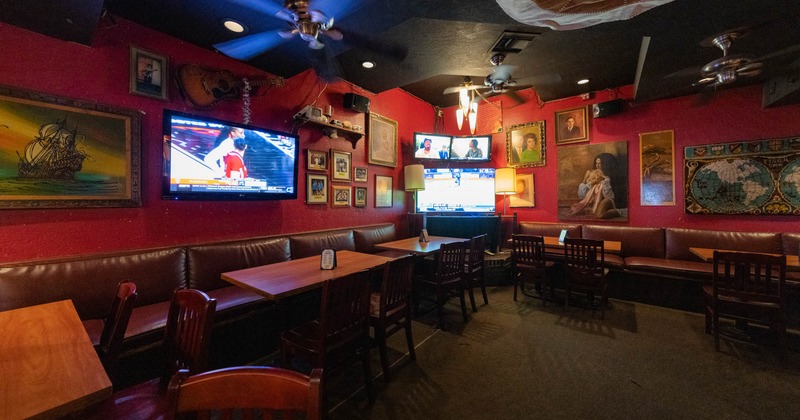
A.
pixel 525 145
pixel 593 182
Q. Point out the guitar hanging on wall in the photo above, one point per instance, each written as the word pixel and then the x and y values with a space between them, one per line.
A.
pixel 204 88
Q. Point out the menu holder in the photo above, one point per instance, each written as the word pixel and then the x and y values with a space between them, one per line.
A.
pixel 423 236
pixel 327 260
pixel 562 236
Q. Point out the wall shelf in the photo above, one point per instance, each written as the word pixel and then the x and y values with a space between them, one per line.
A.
pixel 327 129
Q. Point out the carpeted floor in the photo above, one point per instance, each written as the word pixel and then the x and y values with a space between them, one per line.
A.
pixel 519 360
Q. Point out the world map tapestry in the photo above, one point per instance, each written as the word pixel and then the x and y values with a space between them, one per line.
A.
pixel 759 177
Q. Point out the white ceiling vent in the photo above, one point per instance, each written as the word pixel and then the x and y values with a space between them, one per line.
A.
pixel 513 42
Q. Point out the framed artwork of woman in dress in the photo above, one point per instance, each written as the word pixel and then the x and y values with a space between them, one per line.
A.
pixel 593 182
pixel 382 144
pixel 525 145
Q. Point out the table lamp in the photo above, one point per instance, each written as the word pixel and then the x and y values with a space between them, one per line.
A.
pixel 505 183
pixel 414 180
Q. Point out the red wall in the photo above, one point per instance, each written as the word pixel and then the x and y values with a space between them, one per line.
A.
pixel 100 73
pixel 732 115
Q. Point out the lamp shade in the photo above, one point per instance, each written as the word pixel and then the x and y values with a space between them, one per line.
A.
pixel 414 177
pixel 505 181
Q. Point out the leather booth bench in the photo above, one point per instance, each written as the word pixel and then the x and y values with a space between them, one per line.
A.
pixel 90 281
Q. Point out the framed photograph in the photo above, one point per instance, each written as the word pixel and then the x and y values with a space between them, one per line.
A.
pixel 360 174
pixel 593 182
pixel 60 152
pixel 360 198
pixel 316 189
pixel 316 160
pixel 657 168
pixel 341 165
pixel 525 192
pixel 341 195
pixel 149 74
pixel 572 126
pixel 383 191
pixel 525 145
pixel 382 143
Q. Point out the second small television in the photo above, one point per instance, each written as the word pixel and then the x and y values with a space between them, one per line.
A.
pixel 471 148
pixel 431 146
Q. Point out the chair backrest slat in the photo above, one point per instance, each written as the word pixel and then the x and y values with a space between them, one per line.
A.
pixel 450 262
pixel 396 284
pixel 188 333
pixel 528 250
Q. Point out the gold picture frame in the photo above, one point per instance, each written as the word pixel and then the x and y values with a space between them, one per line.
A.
pixel 576 132
pixel 316 189
pixel 657 168
pixel 518 139
pixel 340 195
pixel 383 191
pixel 360 197
pixel 360 174
pixel 525 196
pixel 316 160
pixel 149 74
pixel 341 165
pixel 382 144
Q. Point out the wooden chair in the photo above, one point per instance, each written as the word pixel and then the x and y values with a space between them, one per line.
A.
pixel 107 339
pixel 585 271
pixel 529 264
pixel 390 309
pixel 473 269
pixel 341 331
pixel 247 392
pixel 186 343
pixel 750 288
pixel 446 281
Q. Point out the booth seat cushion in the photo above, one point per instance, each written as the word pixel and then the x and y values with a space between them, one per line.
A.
pixel 207 262
pixel 233 301
pixel 310 244
pixel 694 270
pixel 366 237
pixel 91 281
pixel 614 261
pixel 146 326
pixel 549 229
pixel 678 242
pixel 636 241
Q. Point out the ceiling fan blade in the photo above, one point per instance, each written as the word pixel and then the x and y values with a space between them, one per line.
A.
pixel 692 72
pixel 705 95
pixel 268 8
pixel 751 69
pixel 333 34
pixel 788 51
pixel 539 80
pixel 337 9
pixel 288 33
pixel 514 96
pixel 250 46
pixel 324 63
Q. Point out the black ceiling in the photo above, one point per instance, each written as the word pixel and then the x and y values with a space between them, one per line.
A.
pixel 445 40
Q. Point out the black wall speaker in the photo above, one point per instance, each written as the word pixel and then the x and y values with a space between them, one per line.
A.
pixel 604 109
pixel 356 102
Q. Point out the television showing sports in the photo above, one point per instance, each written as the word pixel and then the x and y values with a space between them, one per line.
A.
pixel 471 148
pixel 469 190
pixel 431 146
pixel 210 159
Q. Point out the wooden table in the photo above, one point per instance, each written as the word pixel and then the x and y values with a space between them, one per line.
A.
pixel 707 254
pixel 287 278
pixel 613 247
pixel 48 365
pixel 414 247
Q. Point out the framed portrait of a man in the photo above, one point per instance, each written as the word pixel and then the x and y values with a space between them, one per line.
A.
pixel 525 145
pixel 572 126
pixel 382 142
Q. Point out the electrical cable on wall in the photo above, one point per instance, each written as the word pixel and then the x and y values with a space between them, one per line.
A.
pixel 438 120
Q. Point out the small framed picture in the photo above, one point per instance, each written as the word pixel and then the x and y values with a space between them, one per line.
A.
pixel 316 189
pixel 340 163
pixel 572 126
pixel 149 74
pixel 316 160
pixel 341 195
pixel 383 191
pixel 359 174
pixel 525 192
pixel 360 199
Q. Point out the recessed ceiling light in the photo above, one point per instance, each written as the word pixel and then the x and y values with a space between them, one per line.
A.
pixel 368 64
pixel 583 81
pixel 233 25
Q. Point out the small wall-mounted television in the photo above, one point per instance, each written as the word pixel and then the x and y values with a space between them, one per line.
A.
pixel 431 146
pixel 469 190
pixel 474 148
pixel 211 159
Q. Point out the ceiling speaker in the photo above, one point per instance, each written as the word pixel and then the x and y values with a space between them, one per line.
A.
pixel 604 109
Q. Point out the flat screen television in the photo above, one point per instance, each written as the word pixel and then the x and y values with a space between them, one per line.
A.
pixel 210 159
pixel 439 148
pixel 469 190
pixel 462 149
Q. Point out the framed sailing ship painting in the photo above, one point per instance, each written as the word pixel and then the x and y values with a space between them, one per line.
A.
pixel 57 152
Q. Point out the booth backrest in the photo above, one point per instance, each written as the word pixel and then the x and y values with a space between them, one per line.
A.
pixel 636 241
pixel 791 243
pixel 207 262
pixel 678 242
pixel 310 244
pixel 366 239
pixel 549 229
pixel 91 281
